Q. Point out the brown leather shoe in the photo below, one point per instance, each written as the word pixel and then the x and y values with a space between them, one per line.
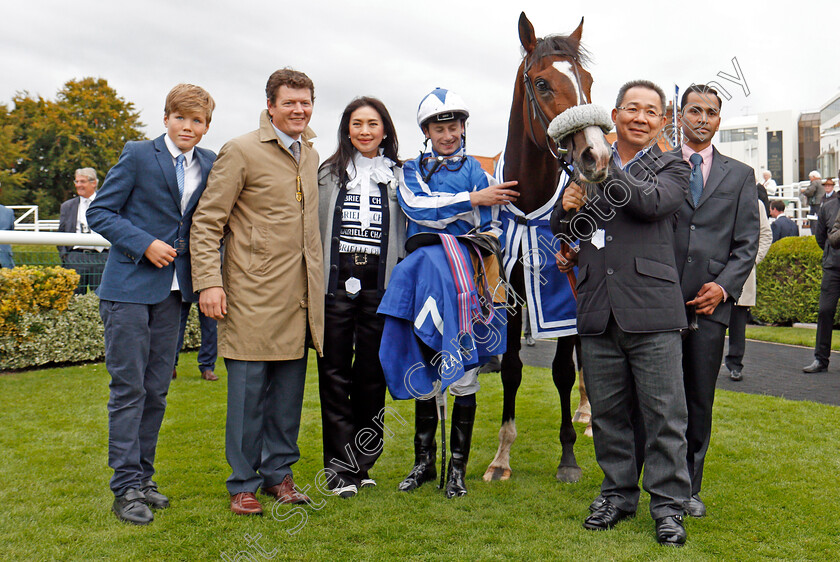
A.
pixel 174 374
pixel 285 492
pixel 209 375
pixel 245 503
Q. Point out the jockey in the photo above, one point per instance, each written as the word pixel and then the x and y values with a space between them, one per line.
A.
pixel 445 190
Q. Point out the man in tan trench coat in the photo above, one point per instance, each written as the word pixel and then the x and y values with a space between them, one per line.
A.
pixel 262 202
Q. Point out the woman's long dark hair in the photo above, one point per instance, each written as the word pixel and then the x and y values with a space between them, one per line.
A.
pixel 345 151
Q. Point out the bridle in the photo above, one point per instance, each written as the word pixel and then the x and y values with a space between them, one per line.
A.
pixel 537 113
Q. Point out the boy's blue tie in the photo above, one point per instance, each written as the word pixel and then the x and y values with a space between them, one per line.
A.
pixel 179 174
pixel 695 180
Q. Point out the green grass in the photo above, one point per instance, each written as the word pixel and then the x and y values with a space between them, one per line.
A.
pixel 770 484
pixel 793 336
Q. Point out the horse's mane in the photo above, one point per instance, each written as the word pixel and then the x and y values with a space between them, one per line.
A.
pixel 561 45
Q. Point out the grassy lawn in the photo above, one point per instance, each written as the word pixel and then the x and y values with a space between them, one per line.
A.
pixel 794 336
pixel 770 485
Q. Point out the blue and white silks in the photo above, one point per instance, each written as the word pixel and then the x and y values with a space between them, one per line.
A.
pixel 552 310
pixel 432 301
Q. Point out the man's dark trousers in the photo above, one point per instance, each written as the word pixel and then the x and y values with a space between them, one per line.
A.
pixel 618 363
pixel 829 296
pixel 140 375
pixel 265 399
pixel 702 354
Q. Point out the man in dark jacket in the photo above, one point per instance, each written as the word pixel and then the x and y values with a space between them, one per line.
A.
pixel 782 227
pixel 830 286
pixel 630 313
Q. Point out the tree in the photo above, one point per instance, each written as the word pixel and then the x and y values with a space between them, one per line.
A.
pixel 12 180
pixel 87 126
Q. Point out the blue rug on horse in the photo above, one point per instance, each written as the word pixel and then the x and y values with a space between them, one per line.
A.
pixel 422 308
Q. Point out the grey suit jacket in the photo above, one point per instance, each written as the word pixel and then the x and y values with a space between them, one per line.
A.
pixel 67 219
pixel 633 276
pixel 718 239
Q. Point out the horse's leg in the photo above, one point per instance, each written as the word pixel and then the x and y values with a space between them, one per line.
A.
pixel 583 414
pixel 499 468
pixel 563 371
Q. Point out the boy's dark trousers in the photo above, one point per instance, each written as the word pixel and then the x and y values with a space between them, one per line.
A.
pixel 140 342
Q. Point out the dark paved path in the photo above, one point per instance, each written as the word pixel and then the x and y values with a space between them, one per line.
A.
pixel 769 368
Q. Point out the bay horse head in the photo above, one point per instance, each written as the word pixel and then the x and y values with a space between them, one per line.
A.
pixel 555 80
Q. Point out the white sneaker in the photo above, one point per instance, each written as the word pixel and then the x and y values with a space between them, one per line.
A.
pixel 346 491
pixel 368 482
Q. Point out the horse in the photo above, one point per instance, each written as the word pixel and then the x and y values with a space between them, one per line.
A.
pixel 551 79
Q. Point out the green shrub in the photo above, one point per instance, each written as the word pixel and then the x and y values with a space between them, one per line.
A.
pixel 788 282
pixel 69 336
pixel 32 289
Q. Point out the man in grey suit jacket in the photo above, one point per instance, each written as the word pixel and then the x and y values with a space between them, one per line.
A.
pixel 716 246
pixel 629 315
pixel 88 261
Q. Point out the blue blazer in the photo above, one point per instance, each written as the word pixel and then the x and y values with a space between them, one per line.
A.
pixel 137 204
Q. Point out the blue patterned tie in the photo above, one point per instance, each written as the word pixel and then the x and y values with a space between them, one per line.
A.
pixel 179 174
pixel 695 181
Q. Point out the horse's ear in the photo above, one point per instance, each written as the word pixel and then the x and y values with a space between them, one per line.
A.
pixel 576 34
pixel 526 33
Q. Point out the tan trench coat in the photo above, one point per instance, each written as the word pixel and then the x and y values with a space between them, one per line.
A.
pixel 273 272
pixel 765 238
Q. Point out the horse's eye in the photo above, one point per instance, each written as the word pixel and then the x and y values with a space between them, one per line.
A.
pixel 542 85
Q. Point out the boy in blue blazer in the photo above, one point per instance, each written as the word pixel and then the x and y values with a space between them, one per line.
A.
pixel 145 210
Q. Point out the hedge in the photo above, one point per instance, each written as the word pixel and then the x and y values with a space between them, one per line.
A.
pixel 35 334
pixel 788 282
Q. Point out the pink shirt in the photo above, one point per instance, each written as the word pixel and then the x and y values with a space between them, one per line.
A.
pixel 706 154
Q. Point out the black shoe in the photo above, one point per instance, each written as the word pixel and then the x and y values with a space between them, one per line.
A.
pixel 425 448
pixel 815 367
pixel 597 503
pixel 735 375
pixel 154 499
pixel 463 418
pixel 131 507
pixel 670 530
pixel 695 507
pixel 606 517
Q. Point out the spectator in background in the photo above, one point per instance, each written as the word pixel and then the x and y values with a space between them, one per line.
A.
pixel 769 183
pixel 826 230
pixel 828 187
pixel 207 353
pixel 88 261
pixel 781 226
pixel 7 222
pixel 814 193
pixel 762 196
pixel 741 311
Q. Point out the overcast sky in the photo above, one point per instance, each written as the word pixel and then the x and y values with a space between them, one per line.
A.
pixel 399 50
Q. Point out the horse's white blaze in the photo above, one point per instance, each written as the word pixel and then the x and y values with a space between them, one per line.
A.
pixel 565 68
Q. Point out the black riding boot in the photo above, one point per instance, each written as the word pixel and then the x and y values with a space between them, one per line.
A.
pixel 425 448
pixel 463 418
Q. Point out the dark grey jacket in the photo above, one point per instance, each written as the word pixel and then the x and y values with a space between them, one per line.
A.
pixel 718 240
pixel 633 276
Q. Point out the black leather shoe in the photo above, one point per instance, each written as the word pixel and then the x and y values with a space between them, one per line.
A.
pixel 154 499
pixel 131 507
pixel 597 503
pixel 670 530
pixel 815 367
pixel 695 506
pixel 735 375
pixel 606 517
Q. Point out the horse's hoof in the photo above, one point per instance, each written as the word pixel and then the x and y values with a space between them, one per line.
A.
pixel 588 430
pixel 568 474
pixel 496 473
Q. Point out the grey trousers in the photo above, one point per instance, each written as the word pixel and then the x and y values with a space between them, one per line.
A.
pixel 617 364
pixel 140 343
pixel 264 403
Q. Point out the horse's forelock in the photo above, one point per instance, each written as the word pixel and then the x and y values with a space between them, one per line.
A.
pixel 560 45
